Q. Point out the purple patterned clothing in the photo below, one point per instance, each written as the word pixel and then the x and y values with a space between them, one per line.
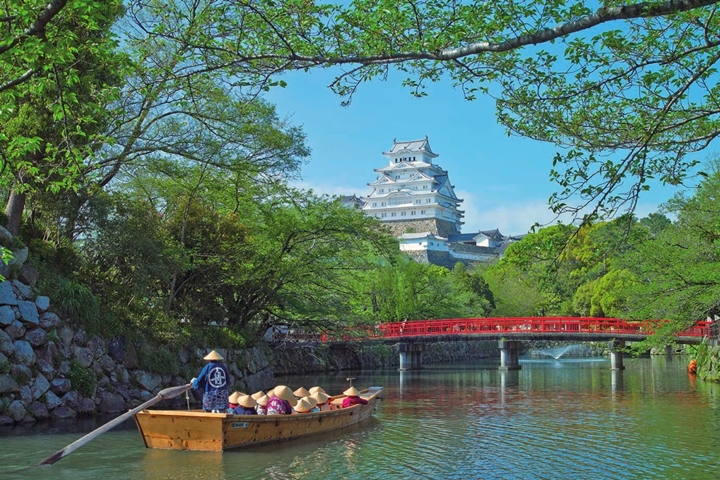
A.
pixel 278 406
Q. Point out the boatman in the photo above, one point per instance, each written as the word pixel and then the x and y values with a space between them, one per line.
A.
pixel 213 379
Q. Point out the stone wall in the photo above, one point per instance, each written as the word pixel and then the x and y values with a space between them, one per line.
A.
pixel 48 369
pixel 442 259
pixel 437 226
pixel 297 358
pixel 708 359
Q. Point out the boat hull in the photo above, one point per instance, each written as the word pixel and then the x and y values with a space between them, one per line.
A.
pixel 201 431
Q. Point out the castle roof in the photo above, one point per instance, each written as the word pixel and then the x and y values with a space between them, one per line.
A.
pixel 493 234
pixel 411 146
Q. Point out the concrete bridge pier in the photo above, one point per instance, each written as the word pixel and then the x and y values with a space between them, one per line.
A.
pixel 410 356
pixel 509 355
pixel 616 356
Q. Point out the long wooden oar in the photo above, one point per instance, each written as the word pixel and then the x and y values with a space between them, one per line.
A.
pixel 162 395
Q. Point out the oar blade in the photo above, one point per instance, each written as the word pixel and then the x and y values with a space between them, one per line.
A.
pixel 162 395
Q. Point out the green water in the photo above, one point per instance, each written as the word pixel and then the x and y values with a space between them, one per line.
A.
pixel 567 419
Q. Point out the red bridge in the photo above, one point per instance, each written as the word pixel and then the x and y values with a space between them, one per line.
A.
pixel 519 328
pixel 510 331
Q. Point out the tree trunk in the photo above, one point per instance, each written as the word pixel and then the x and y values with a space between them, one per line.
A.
pixel 14 211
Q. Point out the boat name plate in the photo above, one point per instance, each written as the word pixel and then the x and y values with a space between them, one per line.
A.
pixel 239 425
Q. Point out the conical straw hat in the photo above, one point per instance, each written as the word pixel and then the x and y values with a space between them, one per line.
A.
pixel 214 355
pixel 284 393
pixel 351 392
pixel 257 395
pixel 262 401
pixel 234 398
pixel 305 404
pixel 316 389
pixel 301 392
pixel 320 397
pixel 247 401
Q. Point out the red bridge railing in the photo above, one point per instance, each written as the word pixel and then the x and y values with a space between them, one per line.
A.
pixel 503 325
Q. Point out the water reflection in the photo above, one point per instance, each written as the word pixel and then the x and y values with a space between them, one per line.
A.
pixel 572 418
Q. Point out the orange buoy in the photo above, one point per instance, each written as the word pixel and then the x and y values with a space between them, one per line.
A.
pixel 692 367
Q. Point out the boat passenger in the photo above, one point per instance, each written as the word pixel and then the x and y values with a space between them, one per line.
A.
pixel 352 397
pixel 213 379
pixel 316 389
pixel 233 401
pixel 246 406
pixel 261 407
pixel 301 392
pixel 280 403
pixel 305 405
pixel 323 402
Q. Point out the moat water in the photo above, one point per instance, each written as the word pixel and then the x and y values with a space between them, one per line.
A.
pixel 570 418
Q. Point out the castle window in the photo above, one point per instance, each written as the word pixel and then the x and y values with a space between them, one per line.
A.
pixel 384 215
pixel 374 204
pixel 382 191
pixel 402 214
pixel 392 214
pixel 412 213
pixel 424 187
pixel 422 212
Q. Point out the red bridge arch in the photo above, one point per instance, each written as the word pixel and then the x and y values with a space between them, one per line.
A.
pixel 586 328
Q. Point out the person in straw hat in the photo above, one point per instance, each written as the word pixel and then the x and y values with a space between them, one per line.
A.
pixel 316 389
pixel 306 405
pixel 246 406
pixel 352 397
pixel 280 404
pixel 301 392
pixel 322 401
pixel 261 407
pixel 213 379
pixel 233 401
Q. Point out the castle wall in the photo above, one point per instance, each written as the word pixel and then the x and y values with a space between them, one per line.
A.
pixel 437 226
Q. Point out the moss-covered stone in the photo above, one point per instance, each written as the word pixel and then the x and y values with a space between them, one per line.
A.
pixel 708 360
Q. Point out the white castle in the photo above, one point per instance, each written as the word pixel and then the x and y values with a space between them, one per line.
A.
pixel 414 197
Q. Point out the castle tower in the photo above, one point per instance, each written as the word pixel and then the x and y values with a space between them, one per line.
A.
pixel 411 194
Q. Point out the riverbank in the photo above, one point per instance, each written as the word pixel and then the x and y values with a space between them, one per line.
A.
pixel 50 369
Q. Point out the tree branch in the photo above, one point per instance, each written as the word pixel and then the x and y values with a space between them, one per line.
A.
pixel 38 26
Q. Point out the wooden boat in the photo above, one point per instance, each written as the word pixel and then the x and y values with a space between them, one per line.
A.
pixel 202 431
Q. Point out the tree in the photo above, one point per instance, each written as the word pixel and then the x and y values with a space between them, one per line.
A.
pixel 408 290
pixel 160 116
pixel 678 268
pixel 28 30
pixel 479 298
pixel 606 296
pixel 626 90
pixel 54 115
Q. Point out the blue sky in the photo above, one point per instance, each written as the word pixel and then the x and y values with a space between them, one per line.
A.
pixel 503 180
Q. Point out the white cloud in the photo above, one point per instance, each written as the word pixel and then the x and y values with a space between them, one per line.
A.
pixel 511 218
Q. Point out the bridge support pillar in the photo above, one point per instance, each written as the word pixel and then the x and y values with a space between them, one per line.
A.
pixel 616 356
pixel 509 355
pixel 410 356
